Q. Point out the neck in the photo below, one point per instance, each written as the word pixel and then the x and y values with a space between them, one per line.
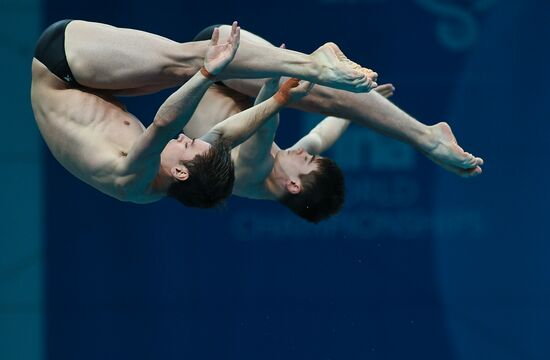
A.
pixel 275 182
pixel 272 189
pixel 161 183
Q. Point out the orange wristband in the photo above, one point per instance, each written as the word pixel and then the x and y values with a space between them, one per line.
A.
pixel 207 74
pixel 283 96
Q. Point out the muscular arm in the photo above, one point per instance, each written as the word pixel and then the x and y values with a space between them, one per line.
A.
pixel 255 150
pixel 241 126
pixel 177 110
pixel 323 136
pixel 171 117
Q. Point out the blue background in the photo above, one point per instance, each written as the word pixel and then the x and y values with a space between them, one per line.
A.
pixel 420 264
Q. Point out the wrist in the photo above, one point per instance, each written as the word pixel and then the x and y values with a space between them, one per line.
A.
pixel 207 74
pixel 282 98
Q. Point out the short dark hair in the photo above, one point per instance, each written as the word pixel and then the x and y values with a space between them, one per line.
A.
pixel 210 181
pixel 322 192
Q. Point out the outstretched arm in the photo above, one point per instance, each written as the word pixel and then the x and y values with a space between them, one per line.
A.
pixel 322 136
pixel 257 148
pixel 239 127
pixel 176 111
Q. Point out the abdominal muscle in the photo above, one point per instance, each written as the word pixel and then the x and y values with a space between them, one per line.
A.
pixel 88 134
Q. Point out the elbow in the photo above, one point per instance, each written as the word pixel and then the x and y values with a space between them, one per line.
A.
pixel 161 122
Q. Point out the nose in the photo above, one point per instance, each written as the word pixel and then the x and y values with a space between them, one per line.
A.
pixel 299 150
pixel 180 138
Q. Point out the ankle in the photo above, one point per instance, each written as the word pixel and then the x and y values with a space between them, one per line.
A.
pixel 426 138
pixel 313 67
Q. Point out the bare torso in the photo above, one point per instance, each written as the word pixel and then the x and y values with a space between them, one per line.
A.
pixel 90 134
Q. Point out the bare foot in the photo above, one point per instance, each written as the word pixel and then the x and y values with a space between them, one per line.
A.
pixel 373 76
pixel 339 72
pixel 445 152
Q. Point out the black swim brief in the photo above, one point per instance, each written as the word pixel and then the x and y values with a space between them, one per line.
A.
pixel 50 51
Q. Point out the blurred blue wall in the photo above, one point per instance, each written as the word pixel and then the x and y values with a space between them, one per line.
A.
pixel 21 201
pixel 419 264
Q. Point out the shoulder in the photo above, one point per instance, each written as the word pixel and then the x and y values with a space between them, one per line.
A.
pixel 134 182
pixel 252 173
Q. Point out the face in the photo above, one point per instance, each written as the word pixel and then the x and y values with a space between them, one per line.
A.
pixel 296 162
pixel 180 150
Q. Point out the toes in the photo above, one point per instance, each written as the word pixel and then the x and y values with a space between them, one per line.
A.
pixel 468 173
pixel 474 171
pixel 479 161
pixel 373 75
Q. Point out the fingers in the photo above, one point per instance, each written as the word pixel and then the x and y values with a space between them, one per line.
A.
pixel 290 83
pixel 235 36
pixel 215 37
pixel 305 86
pixel 234 28
pixel 236 39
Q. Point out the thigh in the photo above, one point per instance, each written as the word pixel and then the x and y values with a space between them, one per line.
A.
pixel 249 87
pixel 225 30
pixel 106 57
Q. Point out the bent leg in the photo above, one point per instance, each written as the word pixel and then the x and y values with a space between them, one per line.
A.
pixel 106 57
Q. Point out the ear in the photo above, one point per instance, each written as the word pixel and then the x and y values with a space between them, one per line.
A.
pixel 294 187
pixel 180 172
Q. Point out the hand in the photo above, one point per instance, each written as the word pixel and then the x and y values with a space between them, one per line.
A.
pixel 219 55
pixel 293 90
